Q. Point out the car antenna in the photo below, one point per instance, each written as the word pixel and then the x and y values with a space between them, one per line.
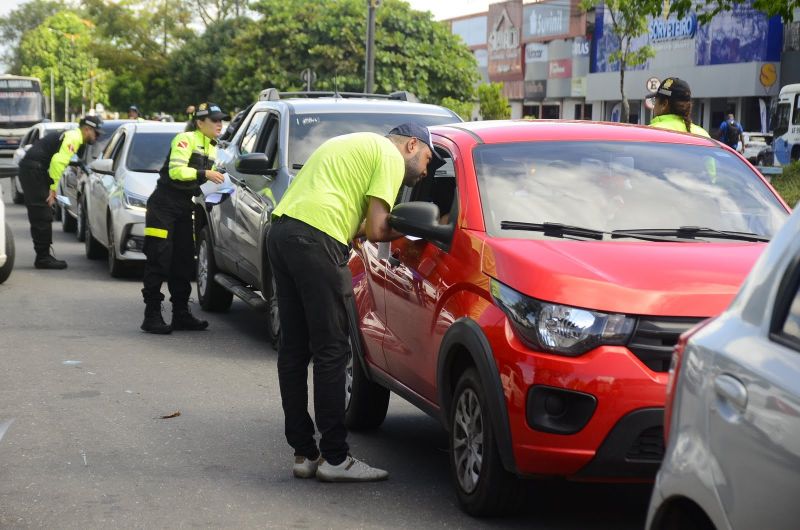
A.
pixel 336 85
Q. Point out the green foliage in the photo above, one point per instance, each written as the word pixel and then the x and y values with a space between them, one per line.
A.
pixel 62 44
pixel 493 104
pixel 788 183
pixel 18 22
pixel 628 21
pixel 708 9
pixel 462 108
pixel 413 52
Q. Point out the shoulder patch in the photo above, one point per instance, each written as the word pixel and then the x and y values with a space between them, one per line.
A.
pixel 183 144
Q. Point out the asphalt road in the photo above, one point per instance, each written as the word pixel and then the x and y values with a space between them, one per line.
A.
pixel 88 448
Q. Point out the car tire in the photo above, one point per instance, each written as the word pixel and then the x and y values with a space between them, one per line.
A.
pixel 80 222
pixel 483 486
pixel 68 223
pixel 5 270
pixel 17 196
pixel 116 267
pixel 366 403
pixel 92 247
pixel 212 296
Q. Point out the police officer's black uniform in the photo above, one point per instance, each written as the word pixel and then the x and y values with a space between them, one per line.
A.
pixel 169 239
pixel 39 172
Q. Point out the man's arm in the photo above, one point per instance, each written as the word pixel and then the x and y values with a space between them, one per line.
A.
pixel 376 226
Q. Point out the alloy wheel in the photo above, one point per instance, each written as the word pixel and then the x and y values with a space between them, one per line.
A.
pixel 202 268
pixel 468 440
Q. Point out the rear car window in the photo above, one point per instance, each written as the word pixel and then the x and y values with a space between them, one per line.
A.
pixel 149 151
pixel 308 131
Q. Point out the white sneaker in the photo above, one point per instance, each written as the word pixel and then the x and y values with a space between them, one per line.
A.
pixel 304 467
pixel 351 470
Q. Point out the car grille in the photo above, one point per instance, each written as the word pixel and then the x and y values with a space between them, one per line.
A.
pixel 648 447
pixel 654 339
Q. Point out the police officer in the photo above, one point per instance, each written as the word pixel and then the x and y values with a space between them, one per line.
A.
pixel 133 113
pixel 169 240
pixel 39 173
pixel 672 107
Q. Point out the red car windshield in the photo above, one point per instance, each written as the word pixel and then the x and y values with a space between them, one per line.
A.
pixel 610 186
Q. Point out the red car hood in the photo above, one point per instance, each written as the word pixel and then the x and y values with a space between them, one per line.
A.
pixel 644 278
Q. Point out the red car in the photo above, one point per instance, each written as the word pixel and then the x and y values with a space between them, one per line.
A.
pixel 548 271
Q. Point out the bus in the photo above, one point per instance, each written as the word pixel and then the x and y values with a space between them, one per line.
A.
pixel 21 106
pixel 786 126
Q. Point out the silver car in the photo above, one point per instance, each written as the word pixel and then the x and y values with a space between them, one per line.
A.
pixel 733 407
pixel 34 134
pixel 119 184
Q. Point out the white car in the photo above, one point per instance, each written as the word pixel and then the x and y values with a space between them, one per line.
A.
pixel 754 142
pixel 34 134
pixel 6 244
pixel 119 184
pixel 732 414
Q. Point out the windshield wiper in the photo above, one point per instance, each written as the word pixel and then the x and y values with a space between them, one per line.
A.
pixel 561 230
pixel 689 232
pixel 554 229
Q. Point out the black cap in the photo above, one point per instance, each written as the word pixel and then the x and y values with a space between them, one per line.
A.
pixel 414 130
pixel 209 110
pixel 92 121
pixel 673 88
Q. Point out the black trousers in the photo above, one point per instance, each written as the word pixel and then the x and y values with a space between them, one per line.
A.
pixel 36 186
pixel 170 251
pixel 312 279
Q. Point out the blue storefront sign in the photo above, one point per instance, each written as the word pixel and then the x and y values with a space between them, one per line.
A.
pixel 741 35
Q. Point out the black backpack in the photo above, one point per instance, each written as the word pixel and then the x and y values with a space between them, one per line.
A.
pixel 732 135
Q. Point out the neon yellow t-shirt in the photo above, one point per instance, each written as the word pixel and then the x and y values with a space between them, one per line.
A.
pixel 332 191
pixel 673 122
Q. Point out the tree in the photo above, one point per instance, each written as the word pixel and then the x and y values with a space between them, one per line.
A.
pixel 62 44
pixel 628 22
pixel 493 104
pixel 18 22
pixel 708 9
pixel 413 52
pixel 462 108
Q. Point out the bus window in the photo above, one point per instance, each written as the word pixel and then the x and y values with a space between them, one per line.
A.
pixel 796 117
pixel 782 119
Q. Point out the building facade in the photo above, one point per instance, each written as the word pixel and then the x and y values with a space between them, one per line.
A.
pixel 554 61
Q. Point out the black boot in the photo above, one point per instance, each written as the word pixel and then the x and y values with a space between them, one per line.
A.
pixel 153 321
pixel 45 260
pixel 182 318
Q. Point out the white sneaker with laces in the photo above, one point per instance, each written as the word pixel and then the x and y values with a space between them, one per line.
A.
pixel 351 470
pixel 304 467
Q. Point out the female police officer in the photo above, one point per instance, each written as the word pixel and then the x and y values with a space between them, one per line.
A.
pixel 169 242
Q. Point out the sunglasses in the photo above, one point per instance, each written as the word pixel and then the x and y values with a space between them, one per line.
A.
pixel 215 120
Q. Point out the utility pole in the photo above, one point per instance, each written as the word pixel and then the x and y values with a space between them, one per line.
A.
pixel 369 68
pixel 52 97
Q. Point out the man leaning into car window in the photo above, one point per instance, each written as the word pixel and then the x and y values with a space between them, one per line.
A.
pixel 346 189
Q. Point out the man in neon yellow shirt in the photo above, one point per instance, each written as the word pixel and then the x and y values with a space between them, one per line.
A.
pixel 346 188
pixel 39 173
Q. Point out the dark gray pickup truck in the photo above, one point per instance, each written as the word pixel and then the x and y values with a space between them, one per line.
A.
pixel 267 146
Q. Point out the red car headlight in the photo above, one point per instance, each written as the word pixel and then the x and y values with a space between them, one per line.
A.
pixel 557 328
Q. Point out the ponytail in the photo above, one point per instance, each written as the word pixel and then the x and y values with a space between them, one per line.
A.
pixel 684 110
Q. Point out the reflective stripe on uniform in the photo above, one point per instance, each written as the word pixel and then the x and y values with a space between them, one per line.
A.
pixel 156 232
